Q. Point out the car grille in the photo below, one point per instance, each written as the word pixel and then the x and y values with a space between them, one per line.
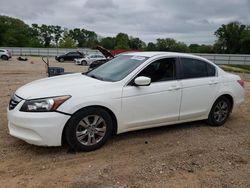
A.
pixel 14 101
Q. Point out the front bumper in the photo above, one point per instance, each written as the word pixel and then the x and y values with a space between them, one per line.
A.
pixel 38 128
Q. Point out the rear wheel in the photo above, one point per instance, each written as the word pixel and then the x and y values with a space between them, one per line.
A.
pixel 89 129
pixel 4 57
pixel 220 112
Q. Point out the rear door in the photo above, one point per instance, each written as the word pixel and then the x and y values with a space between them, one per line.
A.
pixel 199 88
pixel 156 104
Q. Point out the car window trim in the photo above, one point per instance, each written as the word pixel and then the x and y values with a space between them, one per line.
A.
pixel 177 76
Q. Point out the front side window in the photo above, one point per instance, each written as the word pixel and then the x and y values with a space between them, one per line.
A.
pixel 92 56
pixel 160 70
pixel 194 68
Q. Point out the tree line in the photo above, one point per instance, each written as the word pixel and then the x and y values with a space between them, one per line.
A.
pixel 233 37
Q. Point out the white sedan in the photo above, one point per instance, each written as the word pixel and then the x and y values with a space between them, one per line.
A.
pixel 89 59
pixel 130 92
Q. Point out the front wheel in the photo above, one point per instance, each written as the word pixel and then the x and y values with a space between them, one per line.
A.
pixel 89 129
pixel 220 112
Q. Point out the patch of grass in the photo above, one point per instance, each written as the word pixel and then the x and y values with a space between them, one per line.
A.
pixel 236 68
pixel 247 67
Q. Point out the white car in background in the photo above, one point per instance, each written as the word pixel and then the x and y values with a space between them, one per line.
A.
pixel 130 92
pixel 89 59
pixel 5 54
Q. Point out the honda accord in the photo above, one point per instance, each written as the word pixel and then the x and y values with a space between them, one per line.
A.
pixel 130 92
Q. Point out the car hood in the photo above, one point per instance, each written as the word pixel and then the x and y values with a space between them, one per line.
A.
pixel 63 85
pixel 107 54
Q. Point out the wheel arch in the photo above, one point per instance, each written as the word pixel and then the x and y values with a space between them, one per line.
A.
pixel 4 55
pixel 228 96
pixel 111 113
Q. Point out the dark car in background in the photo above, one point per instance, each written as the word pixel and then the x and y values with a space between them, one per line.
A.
pixel 107 54
pixel 70 56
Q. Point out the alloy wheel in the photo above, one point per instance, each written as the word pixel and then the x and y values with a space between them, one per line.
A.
pixel 221 111
pixel 91 130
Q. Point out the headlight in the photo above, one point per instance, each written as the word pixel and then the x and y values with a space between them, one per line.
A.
pixel 43 105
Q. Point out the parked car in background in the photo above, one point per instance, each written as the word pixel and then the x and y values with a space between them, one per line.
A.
pixel 130 92
pixel 108 56
pixel 97 63
pixel 70 56
pixel 5 54
pixel 89 59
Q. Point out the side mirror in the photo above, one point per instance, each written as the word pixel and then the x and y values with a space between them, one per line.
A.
pixel 142 81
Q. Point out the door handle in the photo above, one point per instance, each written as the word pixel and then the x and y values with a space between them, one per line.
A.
pixel 213 82
pixel 174 88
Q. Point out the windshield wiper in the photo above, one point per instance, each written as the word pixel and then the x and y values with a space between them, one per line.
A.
pixel 96 77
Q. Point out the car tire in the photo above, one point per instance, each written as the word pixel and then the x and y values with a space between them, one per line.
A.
pixel 61 60
pixel 84 63
pixel 220 112
pixel 5 57
pixel 88 129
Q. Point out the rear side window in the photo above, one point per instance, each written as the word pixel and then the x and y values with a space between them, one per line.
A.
pixel 193 68
pixel 210 70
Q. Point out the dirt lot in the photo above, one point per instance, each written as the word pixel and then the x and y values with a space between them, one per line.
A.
pixel 186 155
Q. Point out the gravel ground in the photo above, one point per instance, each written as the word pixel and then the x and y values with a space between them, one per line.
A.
pixel 185 155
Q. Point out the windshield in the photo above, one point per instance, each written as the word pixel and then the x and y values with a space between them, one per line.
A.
pixel 117 68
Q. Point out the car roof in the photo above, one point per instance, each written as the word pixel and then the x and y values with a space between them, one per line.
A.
pixel 151 54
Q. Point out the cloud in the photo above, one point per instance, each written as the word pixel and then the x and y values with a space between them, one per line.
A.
pixel 193 21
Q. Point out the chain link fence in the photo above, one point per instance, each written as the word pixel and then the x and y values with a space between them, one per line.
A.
pixel 50 52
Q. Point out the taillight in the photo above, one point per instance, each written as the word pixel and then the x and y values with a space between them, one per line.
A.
pixel 241 82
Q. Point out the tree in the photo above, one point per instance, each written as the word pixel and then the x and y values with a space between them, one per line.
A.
pixel 108 42
pixel 84 37
pixel 46 32
pixel 229 37
pixel 136 43
pixel 167 44
pixel 91 39
pixel 67 41
pixel 13 32
pixel 180 47
pixel 57 32
pixel 151 47
pixel 122 41
pixel 245 41
pixel 196 48
pixel 35 39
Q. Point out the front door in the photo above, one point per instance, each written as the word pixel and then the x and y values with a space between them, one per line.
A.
pixel 156 104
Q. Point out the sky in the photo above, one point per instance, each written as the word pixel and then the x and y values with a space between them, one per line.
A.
pixel 189 21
